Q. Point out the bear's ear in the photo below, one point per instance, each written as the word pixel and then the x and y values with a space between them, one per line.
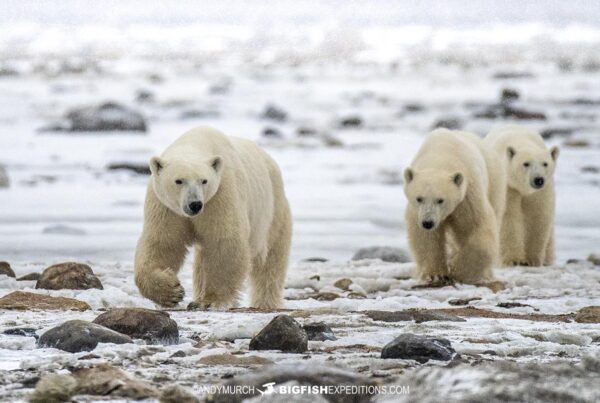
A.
pixel 216 163
pixel 458 179
pixel 510 152
pixel 554 151
pixel 408 175
pixel 156 164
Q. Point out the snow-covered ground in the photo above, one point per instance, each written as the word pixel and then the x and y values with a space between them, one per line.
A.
pixel 399 69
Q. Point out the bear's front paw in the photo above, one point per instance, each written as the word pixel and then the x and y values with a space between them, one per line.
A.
pixel 170 292
pixel 198 306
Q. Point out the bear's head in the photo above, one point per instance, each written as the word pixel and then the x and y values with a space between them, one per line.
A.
pixel 434 194
pixel 530 169
pixel 183 187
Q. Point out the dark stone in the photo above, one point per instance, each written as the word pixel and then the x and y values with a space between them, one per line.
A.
pixel 310 374
pixel 509 95
pixel 319 331
pixel 414 108
pixel 272 132
pixel 450 123
pixel 462 301
pixel 140 169
pixel 306 131
pixel 21 331
pixel 106 117
pixel 385 253
pixel 30 277
pixel 316 259
pixel 509 305
pixel 282 333
pixel 419 348
pixel 275 113
pixel 6 270
pixel 68 275
pixel 144 96
pixel 417 315
pixel 78 335
pixel 556 132
pixel 140 323
pixel 351 121
pixel 504 111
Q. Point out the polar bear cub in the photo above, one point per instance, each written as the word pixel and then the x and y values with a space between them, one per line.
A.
pixel 527 229
pixel 224 196
pixel 455 197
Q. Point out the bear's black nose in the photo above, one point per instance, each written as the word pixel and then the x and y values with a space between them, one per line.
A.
pixel 538 182
pixel 427 224
pixel 195 207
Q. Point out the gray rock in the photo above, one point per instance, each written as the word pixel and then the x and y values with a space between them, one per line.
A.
pixel 4 180
pixel 68 275
pixel 509 95
pixel 385 253
pixel 351 121
pixel 273 112
pixel 319 331
pixel 6 270
pixel 303 374
pixel 450 123
pixel 272 132
pixel 139 323
pixel 29 277
pixel 282 333
pixel 140 169
pixel 419 348
pixel 21 331
pixel 60 229
pixel 106 117
pixel 78 335
pixel 505 111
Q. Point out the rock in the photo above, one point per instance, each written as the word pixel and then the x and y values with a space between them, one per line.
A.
pixel 509 95
pixel 140 323
pixel 20 300
pixel 106 380
pixel 319 331
pixel 29 277
pixel 385 253
pixel 306 131
pixel 577 143
pixel 325 296
pixel 351 121
pixel 316 259
pixel 595 259
pixel 509 305
pixel 589 314
pixel 21 331
pixel 199 114
pixel 556 132
pixel 505 111
pixel 419 348
pixel 511 75
pixel 4 180
pixel 414 108
pixel 272 132
pixel 144 96
pixel 63 230
pixel 309 374
pixel 78 335
pixel 275 113
pixel 592 169
pixel 230 359
pixel 54 388
pixel 106 117
pixel 343 284
pixel 282 333
pixel 68 275
pixel 140 169
pixel 6 270
pixel 417 315
pixel 463 301
pixel 177 394
pixel 331 141
pixel 450 123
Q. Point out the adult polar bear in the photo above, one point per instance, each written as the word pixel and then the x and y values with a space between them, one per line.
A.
pixel 455 189
pixel 527 230
pixel 224 196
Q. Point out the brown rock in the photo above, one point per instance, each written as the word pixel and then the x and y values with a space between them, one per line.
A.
pixel 106 380
pixel 68 275
pixel 589 314
pixel 343 284
pixel 229 359
pixel 140 323
pixel 6 269
pixel 20 300
pixel 30 277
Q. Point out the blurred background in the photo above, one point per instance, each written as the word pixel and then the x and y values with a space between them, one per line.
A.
pixel 341 94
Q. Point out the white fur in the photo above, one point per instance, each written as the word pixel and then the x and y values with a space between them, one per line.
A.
pixel 527 230
pixel 243 228
pixel 455 182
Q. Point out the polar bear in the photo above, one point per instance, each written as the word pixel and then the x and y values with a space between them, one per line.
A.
pixel 224 196
pixel 455 197
pixel 527 228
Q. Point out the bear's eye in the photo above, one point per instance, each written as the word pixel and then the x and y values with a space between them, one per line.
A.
pixel 545 164
pixel 179 182
pixel 204 181
pixel 419 200
pixel 440 201
pixel 526 164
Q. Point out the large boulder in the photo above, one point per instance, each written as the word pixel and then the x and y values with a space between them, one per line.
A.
pixel 419 348
pixel 282 333
pixel 78 335
pixel 6 270
pixel 68 275
pixel 140 323
pixel 385 253
pixel 23 301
